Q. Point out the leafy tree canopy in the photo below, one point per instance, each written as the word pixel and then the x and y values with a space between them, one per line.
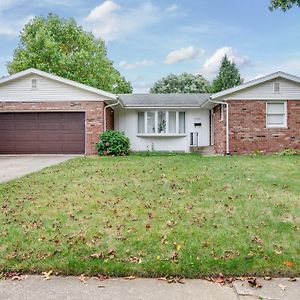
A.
pixel 183 83
pixel 228 76
pixel 61 47
pixel 283 4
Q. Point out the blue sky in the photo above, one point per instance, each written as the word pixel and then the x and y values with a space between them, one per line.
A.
pixel 147 40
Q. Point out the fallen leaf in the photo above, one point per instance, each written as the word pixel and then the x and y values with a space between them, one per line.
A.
pixel 220 279
pixel 47 275
pixel 97 255
pixel 283 287
pixel 148 226
pixel 292 279
pixel 19 277
pixel 254 283
pixel 82 278
pixel 288 263
pixel 267 278
pixel 129 277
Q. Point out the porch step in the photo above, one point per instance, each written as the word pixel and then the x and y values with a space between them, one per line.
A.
pixel 206 150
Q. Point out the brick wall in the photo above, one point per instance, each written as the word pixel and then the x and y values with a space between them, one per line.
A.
pixel 248 132
pixel 94 112
pixel 219 130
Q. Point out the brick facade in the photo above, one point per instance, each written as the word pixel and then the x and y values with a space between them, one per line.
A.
pixel 94 115
pixel 248 132
pixel 219 126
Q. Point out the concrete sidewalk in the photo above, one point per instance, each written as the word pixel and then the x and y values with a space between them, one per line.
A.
pixel 36 288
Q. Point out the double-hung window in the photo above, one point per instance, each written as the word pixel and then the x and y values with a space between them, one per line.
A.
pixel 161 122
pixel 276 114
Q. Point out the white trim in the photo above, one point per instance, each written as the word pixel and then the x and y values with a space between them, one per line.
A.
pixel 142 108
pixel 161 135
pixel 57 78
pixel 284 102
pixel 256 82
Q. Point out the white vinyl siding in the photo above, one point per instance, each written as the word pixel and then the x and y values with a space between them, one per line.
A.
pixel 23 90
pixel 289 90
pixel 276 115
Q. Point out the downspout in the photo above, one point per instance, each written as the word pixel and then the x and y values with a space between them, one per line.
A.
pixel 105 111
pixel 227 122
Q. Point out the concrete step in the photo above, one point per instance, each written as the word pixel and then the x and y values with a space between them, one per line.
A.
pixel 204 150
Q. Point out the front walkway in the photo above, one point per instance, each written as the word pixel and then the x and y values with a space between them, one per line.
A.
pixel 67 288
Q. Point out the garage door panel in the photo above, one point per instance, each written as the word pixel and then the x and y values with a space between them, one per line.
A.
pixel 45 133
pixel 6 125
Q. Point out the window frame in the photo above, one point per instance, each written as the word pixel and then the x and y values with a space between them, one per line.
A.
pixel 156 123
pixel 279 87
pixel 284 125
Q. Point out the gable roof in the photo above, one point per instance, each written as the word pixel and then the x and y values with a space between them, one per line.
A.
pixel 256 82
pixel 59 79
pixel 163 100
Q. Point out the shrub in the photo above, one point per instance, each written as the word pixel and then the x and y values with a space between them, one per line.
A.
pixel 113 143
pixel 289 152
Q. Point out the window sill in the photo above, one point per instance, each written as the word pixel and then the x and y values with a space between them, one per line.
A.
pixel 161 135
pixel 277 127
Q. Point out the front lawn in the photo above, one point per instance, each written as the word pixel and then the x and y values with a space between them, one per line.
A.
pixel 183 215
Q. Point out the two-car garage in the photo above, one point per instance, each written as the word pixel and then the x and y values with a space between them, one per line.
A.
pixel 42 133
pixel 42 113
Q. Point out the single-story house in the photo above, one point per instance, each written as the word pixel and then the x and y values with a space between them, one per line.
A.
pixel 41 113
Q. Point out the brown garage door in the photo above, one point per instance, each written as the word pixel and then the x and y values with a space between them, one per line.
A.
pixel 42 133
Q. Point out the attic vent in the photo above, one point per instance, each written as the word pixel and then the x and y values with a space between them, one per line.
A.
pixel 34 84
pixel 276 87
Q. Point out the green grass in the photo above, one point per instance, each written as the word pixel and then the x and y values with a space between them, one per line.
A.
pixel 235 215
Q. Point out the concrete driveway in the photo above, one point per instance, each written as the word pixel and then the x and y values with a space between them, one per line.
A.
pixel 12 167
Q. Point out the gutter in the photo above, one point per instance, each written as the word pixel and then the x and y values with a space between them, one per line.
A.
pixel 227 122
pixel 105 111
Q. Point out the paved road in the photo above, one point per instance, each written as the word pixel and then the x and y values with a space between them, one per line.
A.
pixel 71 288
pixel 12 167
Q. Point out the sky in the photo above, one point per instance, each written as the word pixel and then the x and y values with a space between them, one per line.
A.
pixel 147 40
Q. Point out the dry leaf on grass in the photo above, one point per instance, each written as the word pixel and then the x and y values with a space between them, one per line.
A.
pixel 288 263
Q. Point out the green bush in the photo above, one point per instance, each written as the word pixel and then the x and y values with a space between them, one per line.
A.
pixel 289 152
pixel 113 143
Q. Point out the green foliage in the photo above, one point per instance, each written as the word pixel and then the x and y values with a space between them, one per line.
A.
pixel 113 143
pixel 289 152
pixel 184 83
pixel 61 47
pixel 283 4
pixel 228 76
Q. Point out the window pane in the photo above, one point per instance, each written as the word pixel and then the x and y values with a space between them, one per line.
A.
pixel 150 122
pixel 141 122
pixel 182 122
pixel 161 122
pixel 275 119
pixel 172 122
pixel 275 108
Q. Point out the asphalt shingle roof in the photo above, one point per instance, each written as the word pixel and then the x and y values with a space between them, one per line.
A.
pixel 163 100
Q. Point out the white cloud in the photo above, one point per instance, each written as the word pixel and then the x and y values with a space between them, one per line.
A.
pixel 110 20
pixel 182 55
pixel 12 27
pixel 103 10
pixel 140 63
pixel 172 8
pixel 212 64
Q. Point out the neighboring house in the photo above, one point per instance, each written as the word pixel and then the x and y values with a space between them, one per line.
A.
pixel 44 113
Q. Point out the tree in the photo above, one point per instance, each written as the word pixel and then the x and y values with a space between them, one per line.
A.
pixel 283 4
pixel 61 47
pixel 228 76
pixel 184 83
